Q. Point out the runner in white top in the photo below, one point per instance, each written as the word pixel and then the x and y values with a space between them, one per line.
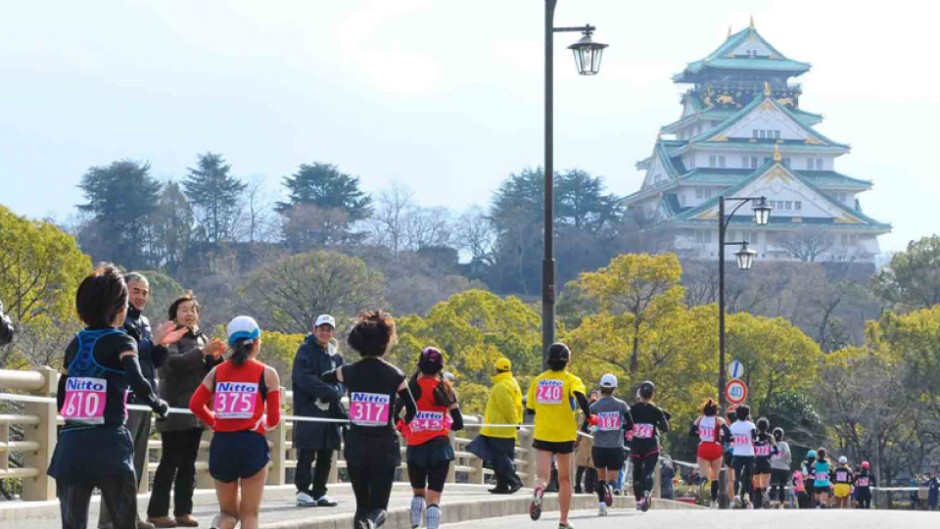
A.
pixel 743 433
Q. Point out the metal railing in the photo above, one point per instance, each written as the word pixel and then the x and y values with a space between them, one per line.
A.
pixel 40 420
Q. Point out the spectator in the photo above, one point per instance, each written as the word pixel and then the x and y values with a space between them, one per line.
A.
pixel 933 490
pixel 316 441
pixel 504 406
pixel 667 473
pixel 188 362
pixel 151 353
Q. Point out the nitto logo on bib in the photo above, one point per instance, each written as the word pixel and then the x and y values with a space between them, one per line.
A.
pixel 235 400
pixel 85 400
pixel 428 421
pixel 549 391
pixel 608 420
pixel 369 409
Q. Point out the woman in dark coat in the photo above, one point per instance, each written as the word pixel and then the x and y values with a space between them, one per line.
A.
pixel 187 364
pixel 316 441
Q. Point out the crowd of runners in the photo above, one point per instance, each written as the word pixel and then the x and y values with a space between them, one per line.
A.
pixel 239 398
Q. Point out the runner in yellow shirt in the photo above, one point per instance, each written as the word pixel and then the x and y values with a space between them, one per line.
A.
pixel 552 398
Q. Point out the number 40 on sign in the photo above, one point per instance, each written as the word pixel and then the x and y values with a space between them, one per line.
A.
pixel 736 391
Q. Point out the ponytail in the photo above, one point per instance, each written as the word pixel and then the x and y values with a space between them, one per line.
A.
pixel 241 351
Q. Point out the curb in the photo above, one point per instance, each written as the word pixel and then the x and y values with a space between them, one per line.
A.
pixel 467 510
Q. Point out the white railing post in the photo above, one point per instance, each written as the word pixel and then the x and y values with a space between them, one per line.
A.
pixel 277 474
pixel 42 486
pixel 525 441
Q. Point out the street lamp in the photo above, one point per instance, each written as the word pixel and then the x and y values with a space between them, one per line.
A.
pixel 745 260
pixel 587 56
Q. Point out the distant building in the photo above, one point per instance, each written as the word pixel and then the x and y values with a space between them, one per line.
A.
pixel 742 132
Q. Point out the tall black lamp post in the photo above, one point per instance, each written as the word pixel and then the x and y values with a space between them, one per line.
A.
pixel 587 57
pixel 745 259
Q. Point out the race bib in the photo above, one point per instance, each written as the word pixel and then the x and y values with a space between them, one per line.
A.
pixel 85 399
pixel 369 409
pixel 706 433
pixel 549 391
pixel 608 421
pixel 742 440
pixel 643 431
pixel 862 482
pixel 822 476
pixel 762 450
pixel 429 421
pixel 235 400
pixel 842 476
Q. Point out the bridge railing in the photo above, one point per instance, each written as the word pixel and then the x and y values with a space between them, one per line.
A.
pixel 40 420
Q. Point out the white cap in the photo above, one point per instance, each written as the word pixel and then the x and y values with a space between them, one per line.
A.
pixel 843 459
pixel 324 319
pixel 243 327
pixel 608 381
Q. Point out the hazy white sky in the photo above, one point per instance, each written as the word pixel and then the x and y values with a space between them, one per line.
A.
pixel 443 96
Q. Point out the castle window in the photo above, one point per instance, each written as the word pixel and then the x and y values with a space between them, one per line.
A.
pixel 810 164
pixel 798 205
pixel 721 160
pixel 703 236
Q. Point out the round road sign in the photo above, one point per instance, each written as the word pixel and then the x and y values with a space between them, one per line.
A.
pixel 736 391
pixel 736 369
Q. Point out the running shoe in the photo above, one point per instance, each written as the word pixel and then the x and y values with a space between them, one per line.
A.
pixel 713 504
pixel 617 492
pixel 304 499
pixel 737 502
pixel 565 525
pixel 535 508
pixel 608 495
pixel 325 501
pixel 602 509
pixel 646 501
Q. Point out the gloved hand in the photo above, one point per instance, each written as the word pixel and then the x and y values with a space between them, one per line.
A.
pixel 322 405
pixel 592 420
pixel 162 409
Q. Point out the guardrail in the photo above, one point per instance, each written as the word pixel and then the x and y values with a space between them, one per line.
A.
pixel 39 422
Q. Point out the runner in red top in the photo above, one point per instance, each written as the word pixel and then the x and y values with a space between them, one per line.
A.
pixel 245 398
pixel 429 450
pixel 710 429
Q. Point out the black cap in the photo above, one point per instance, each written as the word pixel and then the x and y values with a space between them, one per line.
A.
pixel 646 389
pixel 559 351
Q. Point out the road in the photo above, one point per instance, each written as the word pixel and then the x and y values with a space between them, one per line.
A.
pixel 709 519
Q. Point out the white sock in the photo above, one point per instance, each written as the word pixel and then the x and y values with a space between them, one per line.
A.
pixel 417 509
pixel 434 516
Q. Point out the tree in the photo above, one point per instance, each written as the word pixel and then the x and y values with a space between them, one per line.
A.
pixel 807 244
pixel 172 224
pixel 121 198
pixel 324 186
pixel 642 286
pixel 291 292
pixel 473 233
pixel 40 269
pixel 163 291
pixel 389 219
pixel 215 196
pixel 912 279
pixel 474 328
pixel 582 203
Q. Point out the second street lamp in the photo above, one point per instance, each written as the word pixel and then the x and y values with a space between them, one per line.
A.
pixel 587 55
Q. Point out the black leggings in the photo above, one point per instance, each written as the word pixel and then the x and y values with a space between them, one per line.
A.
pixel 372 487
pixel 778 482
pixel 864 502
pixel 643 469
pixel 430 478
pixel 121 495
pixel 743 475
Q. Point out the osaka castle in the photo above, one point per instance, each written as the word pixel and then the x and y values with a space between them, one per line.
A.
pixel 742 132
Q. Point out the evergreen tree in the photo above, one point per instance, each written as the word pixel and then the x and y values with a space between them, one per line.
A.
pixel 324 186
pixel 121 197
pixel 215 197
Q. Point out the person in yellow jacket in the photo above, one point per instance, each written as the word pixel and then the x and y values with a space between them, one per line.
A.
pixel 504 406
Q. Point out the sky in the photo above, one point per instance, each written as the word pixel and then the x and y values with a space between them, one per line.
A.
pixel 444 97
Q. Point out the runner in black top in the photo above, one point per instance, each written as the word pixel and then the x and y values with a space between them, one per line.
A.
pixel 864 481
pixel 371 444
pixel 95 447
pixel 648 422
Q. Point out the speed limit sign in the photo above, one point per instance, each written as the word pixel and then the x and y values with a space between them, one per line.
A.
pixel 736 391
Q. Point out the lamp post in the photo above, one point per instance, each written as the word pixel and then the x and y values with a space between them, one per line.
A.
pixel 587 55
pixel 745 259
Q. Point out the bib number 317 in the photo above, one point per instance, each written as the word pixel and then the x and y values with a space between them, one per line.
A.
pixel 369 409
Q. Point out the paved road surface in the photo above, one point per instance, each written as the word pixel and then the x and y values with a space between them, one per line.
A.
pixel 708 519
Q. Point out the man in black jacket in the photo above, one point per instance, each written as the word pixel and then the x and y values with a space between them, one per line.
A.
pixel 316 441
pixel 6 327
pixel 151 352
